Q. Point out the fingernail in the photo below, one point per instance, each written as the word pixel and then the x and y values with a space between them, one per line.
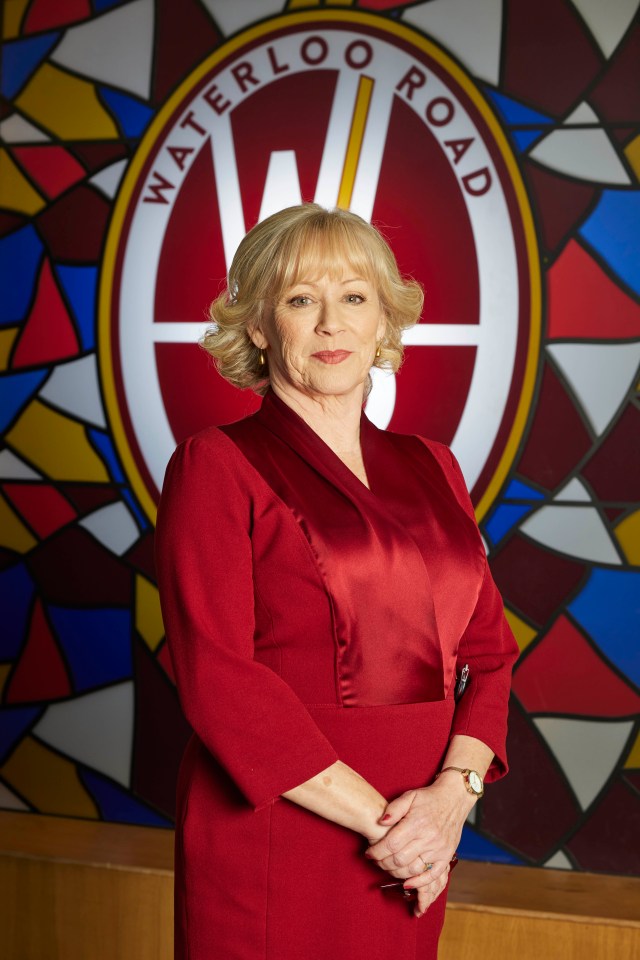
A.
pixel 369 856
pixel 387 816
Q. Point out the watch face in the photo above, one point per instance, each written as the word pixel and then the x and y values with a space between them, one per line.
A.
pixel 475 782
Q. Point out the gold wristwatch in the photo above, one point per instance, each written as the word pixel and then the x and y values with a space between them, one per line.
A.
pixel 472 780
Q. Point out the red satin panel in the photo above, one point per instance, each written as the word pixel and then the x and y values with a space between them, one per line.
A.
pixel 310 619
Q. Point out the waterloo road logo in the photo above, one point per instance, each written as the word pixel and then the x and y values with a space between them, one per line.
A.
pixel 349 110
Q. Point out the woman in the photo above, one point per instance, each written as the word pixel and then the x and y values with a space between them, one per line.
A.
pixel 322 583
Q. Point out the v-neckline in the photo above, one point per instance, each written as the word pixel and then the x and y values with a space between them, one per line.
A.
pixel 274 408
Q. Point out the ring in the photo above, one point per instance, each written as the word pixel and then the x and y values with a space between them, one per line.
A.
pixel 427 866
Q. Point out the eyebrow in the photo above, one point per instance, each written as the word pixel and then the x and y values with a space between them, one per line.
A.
pixel 344 283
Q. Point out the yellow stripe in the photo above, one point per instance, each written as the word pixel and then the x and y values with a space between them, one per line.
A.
pixel 356 136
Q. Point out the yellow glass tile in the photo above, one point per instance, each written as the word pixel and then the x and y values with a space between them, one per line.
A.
pixel 633 760
pixel 523 633
pixel 12 14
pixel 66 105
pixel 48 781
pixel 632 153
pixel 5 670
pixel 56 445
pixel 13 533
pixel 628 536
pixel 7 339
pixel 148 616
pixel 16 193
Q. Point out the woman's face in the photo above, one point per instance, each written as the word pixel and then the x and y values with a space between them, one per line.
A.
pixel 322 335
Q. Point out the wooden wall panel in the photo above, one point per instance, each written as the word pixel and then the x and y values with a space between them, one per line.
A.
pixel 85 890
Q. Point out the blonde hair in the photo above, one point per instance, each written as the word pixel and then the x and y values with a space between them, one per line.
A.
pixel 304 241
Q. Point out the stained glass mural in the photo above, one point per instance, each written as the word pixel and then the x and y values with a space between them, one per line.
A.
pixel 90 725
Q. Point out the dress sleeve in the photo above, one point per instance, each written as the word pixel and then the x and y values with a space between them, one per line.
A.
pixel 490 649
pixel 248 718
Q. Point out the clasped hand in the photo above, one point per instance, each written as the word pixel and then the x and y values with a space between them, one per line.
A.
pixel 425 827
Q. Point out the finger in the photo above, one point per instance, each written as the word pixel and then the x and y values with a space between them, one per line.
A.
pixel 396 809
pixel 402 841
pixel 405 857
pixel 427 878
pixel 415 867
pixel 428 895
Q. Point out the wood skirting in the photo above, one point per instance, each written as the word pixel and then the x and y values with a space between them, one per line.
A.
pixel 87 890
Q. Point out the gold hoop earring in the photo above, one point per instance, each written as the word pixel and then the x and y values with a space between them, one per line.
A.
pixel 262 360
pixel 378 351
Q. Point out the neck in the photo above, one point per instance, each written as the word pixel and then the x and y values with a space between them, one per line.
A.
pixel 336 419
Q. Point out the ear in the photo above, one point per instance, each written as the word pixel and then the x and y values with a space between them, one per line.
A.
pixel 257 337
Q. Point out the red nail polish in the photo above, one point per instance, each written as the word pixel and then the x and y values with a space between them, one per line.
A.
pixel 387 816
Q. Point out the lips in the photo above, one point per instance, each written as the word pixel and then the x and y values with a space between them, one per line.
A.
pixel 332 356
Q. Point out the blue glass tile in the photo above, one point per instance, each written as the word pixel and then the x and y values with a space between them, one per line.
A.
pixel 100 5
pixel 524 138
pixel 14 721
pixel 79 285
pixel 16 595
pixel 104 446
pixel 614 233
pixel 143 523
pixel 517 490
pixel 132 115
pixel 473 846
pixel 15 390
pixel 504 518
pixel 97 643
pixel 20 58
pixel 116 805
pixel 608 607
pixel 515 113
pixel 20 256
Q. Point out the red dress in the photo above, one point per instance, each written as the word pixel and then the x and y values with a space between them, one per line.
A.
pixel 311 619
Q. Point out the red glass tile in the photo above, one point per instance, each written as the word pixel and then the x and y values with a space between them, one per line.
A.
pixel 95 156
pixel 616 97
pixel 87 497
pixel 559 203
pixel 558 438
pixel 564 674
pixel 72 568
pixel 45 15
pixel 161 733
pixel 40 673
pixel 43 507
pixel 52 168
pixel 531 808
pixel 10 221
pixel 612 513
pixel 583 302
pixel 184 36
pixel 74 225
pixel 633 778
pixel 614 470
pixel 48 333
pixel 141 555
pixel 534 580
pixel 609 841
pixel 549 54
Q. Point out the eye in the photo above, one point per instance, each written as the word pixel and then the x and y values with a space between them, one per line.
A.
pixel 301 300
pixel 354 298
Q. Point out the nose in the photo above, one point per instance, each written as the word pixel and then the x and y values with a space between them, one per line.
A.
pixel 329 322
